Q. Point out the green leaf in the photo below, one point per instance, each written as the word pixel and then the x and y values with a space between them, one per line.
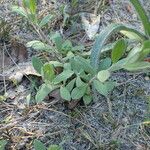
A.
pixel 65 94
pixel 75 65
pixel 85 76
pixel 56 63
pixel 136 54
pixel 63 76
pixel 38 45
pixel 20 11
pixel 38 145
pixel 78 48
pixel 44 90
pixel 69 55
pixel 3 144
pixel 103 75
pixel 131 35
pixel 134 51
pixel 118 50
pixel 26 3
pixel 67 66
pixel 37 64
pixel 105 64
pixel 70 85
pixel 45 20
pixel 104 88
pixel 142 14
pixel 101 88
pixel 66 46
pixel 110 85
pixel 145 50
pixel 84 64
pixel 78 92
pixel 137 66
pixel 57 39
pixel 104 36
pixel 79 82
pixel 119 65
pixel 33 6
pixel 48 73
pixel 87 99
pixel 54 147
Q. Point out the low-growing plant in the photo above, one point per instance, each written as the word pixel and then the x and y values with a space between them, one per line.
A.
pixel 38 145
pixel 74 81
pixel 76 75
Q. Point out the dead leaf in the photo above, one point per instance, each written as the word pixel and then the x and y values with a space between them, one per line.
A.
pixel 16 73
pixel 91 24
pixel 19 51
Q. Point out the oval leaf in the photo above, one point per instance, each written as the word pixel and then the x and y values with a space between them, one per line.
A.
pixel 78 92
pixel 45 20
pixel 65 94
pixel 87 99
pixel 70 85
pixel 63 76
pixel 37 64
pixel 101 88
pixel 79 82
pixel 48 73
pixel 44 90
pixel 118 50
pixel 38 145
pixel 103 75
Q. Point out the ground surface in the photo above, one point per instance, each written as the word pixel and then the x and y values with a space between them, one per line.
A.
pixel 112 124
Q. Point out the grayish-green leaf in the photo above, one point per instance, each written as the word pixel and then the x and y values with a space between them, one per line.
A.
pixel 103 75
pixel 38 45
pixel 37 64
pixel 38 145
pixel 45 20
pixel 70 85
pixel 65 94
pixel 57 39
pixel 63 76
pixel 79 82
pixel 66 46
pixel 105 64
pixel 87 99
pixel 78 92
pixel 20 11
pixel 137 66
pixel 84 64
pixel 44 90
pixel 101 88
